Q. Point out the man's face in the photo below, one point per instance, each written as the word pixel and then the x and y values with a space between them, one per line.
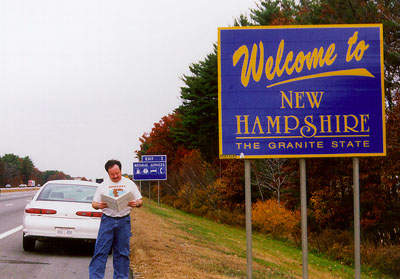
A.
pixel 114 173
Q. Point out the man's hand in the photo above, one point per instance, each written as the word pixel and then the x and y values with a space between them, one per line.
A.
pixel 99 205
pixel 137 203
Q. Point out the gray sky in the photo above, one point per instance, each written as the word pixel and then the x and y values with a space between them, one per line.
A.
pixel 82 80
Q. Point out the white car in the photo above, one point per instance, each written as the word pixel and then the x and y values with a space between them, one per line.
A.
pixel 61 209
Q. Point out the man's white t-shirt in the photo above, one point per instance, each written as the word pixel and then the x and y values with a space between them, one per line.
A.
pixel 108 187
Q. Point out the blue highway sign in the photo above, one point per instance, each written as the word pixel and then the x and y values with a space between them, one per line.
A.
pixel 150 170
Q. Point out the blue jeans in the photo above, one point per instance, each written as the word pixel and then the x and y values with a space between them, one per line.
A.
pixel 115 233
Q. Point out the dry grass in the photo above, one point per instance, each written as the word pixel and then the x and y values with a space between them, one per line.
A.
pixel 160 250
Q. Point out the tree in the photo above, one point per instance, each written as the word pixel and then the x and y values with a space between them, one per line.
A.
pixel 197 179
pixel 268 174
pixel 230 187
pixel 27 168
pixel 161 141
pixel 12 167
pixel 54 175
pixel 199 110
pixel 3 179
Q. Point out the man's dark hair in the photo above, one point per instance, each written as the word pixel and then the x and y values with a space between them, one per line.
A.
pixel 111 163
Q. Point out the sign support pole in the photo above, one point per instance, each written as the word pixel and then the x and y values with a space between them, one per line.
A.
pixel 158 189
pixel 356 194
pixel 303 197
pixel 149 193
pixel 247 177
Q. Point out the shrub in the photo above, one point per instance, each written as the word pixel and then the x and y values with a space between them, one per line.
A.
pixel 336 244
pixel 234 217
pixel 339 245
pixel 273 218
pixel 384 258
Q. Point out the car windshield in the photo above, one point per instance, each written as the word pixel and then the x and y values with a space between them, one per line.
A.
pixel 67 193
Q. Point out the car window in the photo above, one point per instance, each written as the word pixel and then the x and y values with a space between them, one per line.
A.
pixel 67 193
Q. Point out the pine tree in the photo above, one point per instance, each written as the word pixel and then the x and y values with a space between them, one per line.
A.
pixel 199 110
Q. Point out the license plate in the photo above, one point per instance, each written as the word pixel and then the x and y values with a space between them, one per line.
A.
pixel 64 232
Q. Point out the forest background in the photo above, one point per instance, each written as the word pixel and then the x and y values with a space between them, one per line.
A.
pixel 200 183
pixel 15 170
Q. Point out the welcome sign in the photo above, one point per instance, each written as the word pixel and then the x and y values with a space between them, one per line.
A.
pixel 301 91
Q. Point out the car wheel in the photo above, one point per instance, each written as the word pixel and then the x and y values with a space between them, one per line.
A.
pixel 28 243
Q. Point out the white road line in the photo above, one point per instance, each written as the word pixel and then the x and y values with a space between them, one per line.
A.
pixel 8 204
pixel 10 232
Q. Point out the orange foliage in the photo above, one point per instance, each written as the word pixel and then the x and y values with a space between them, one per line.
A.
pixel 271 217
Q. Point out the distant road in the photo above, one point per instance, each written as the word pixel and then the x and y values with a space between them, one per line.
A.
pixel 49 261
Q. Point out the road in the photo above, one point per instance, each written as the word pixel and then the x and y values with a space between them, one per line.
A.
pixel 49 260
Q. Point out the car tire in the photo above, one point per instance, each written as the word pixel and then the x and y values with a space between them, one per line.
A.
pixel 28 243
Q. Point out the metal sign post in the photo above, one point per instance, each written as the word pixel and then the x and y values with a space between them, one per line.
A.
pixel 158 189
pixel 356 197
pixel 249 256
pixel 303 196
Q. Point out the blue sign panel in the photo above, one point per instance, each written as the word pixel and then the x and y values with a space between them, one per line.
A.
pixel 301 91
pixel 150 171
pixel 152 158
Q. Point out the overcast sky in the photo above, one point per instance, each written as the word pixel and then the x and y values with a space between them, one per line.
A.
pixel 82 80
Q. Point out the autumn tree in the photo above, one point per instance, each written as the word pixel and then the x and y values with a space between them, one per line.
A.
pixel 230 187
pixel 161 140
pixel 196 178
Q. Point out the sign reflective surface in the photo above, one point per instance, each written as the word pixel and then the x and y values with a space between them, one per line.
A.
pixel 301 91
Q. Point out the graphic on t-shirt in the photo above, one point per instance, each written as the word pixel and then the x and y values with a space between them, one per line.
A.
pixel 116 192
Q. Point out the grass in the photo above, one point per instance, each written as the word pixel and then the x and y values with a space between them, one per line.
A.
pixel 280 259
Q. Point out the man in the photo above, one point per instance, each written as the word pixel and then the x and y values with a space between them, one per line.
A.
pixel 115 227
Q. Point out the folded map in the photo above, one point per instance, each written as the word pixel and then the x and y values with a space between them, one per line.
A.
pixel 117 203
